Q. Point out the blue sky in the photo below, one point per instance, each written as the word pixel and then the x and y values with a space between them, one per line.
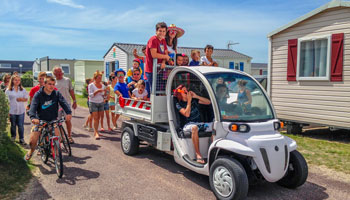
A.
pixel 83 29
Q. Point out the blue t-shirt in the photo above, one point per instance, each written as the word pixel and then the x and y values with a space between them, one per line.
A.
pixel 122 88
pixel 194 63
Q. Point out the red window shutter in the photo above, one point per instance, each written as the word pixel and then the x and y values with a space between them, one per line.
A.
pixel 260 72
pixel 337 57
pixel 292 60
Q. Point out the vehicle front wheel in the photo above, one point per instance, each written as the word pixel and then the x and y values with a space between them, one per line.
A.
pixel 129 142
pixel 297 172
pixel 228 179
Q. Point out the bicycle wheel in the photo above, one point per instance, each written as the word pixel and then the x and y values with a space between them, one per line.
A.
pixel 66 144
pixel 44 149
pixel 58 158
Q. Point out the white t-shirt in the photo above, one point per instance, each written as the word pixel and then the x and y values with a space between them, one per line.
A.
pixel 64 86
pixel 138 95
pixel 16 108
pixel 204 59
pixel 99 97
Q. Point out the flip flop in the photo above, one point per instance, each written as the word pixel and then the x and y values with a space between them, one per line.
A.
pixel 200 159
pixel 27 157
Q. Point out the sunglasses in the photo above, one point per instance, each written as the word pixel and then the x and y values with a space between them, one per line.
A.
pixel 136 74
pixel 172 32
pixel 120 75
pixel 180 91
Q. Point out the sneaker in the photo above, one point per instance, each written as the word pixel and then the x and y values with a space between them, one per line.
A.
pixel 91 130
pixel 13 139
pixel 22 142
pixel 85 126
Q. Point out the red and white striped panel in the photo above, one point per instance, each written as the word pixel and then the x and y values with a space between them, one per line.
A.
pixel 138 104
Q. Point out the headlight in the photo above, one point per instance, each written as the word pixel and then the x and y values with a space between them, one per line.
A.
pixel 278 125
pixel 243 128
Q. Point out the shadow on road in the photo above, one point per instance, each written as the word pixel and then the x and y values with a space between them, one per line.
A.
pixel 263 190
pixel 77 160
pixel 92 147
pixel 35 191
pixel 74 174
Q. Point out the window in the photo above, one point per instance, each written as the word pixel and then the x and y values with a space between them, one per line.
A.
pixel 5 65
pixel 65 68
pixel 240 98
pixel 313 58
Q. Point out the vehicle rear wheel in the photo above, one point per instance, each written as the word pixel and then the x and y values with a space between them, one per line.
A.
pixel 58 158
pixel 228 179
pixel 297 172
pixel 129 142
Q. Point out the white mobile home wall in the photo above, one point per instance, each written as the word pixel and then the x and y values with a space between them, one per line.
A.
pixel 121 56
pixel 319 102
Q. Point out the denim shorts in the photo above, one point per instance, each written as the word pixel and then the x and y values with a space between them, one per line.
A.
pixel 96 107
pixel 106 106
pixel 111 103
pixel 205 127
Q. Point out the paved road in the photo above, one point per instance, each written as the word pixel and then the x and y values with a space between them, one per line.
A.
pixel 99 170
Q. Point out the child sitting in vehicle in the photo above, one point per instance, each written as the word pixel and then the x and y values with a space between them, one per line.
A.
pixel 139 93
pixel 195 55
pixel 135 65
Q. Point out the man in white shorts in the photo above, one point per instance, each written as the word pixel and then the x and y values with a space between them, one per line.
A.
pixel 64 85
pixel 187 105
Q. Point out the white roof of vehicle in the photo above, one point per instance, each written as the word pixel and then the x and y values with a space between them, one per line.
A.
pixel 332 4
pixel 206 70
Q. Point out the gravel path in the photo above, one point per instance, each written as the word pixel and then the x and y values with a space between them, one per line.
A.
pixel 98 169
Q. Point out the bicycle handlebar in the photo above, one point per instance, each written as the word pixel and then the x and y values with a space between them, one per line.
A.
pixel 43 122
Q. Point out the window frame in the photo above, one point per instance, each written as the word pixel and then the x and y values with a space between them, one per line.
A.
pixel 65 65
pixel 328 66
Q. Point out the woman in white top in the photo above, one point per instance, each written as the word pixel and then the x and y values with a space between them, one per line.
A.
pixel 18 97
pixel 96 101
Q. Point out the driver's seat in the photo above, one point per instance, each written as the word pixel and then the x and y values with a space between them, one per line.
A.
pixel 178 122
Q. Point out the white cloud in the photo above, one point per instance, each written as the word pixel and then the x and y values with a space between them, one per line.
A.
pixel 68 3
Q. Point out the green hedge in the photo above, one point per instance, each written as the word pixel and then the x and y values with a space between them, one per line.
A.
pixel 4 111
pixel 85 94
pixel 27 81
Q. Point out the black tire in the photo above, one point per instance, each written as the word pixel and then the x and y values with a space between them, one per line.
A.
pixel 129 142
pixel 44 149
pixel 228 169
pixel 297 172
pixel 65 141
pixel 58 158
pixel 294 129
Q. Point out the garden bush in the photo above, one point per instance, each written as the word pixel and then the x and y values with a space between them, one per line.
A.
pixel 27 81
pixel 4 111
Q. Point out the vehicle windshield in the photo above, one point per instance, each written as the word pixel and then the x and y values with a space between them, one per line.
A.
pixel 239 98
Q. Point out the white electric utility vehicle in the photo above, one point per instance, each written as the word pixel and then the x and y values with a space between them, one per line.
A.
pixel 247 145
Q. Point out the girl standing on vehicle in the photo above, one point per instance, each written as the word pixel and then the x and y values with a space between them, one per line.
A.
pixel 18 97
pixel 96 101
pixel 171 37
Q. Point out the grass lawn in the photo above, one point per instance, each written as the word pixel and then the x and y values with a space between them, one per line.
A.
pixel 333 155
pixel 81 100
pixel 15 173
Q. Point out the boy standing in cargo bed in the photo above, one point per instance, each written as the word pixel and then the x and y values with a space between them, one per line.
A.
pixel 156 48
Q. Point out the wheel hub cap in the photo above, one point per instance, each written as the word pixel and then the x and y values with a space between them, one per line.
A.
pixel 126 141
pixel 223 182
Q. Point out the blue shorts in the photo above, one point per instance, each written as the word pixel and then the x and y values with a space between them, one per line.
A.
pixel 111 103
pixel 106 106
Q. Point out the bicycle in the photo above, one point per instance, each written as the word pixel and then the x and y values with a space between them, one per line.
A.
pixel 49 144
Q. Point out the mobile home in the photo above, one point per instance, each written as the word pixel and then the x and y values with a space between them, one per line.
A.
pixel 309 68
